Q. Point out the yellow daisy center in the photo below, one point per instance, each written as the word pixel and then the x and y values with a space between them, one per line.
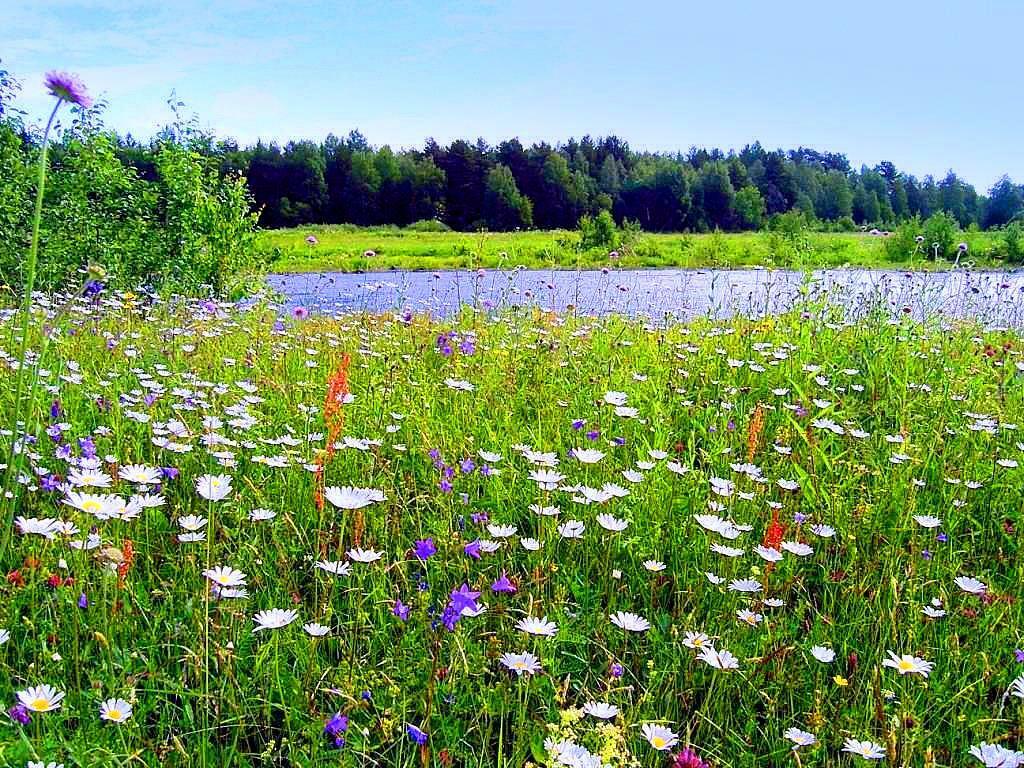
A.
pixel 40 704
pixel 114 714
pixel 657 742
pixel 91 506
pixel 906 665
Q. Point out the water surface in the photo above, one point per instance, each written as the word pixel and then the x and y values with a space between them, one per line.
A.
pixel 994 298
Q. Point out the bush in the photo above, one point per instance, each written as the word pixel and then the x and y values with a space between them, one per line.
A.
pixel 183 226
pixel 941 235
pixel 902 244
pixel 791 224
pixel 1012 246
pixel 429 225
pixel 846 224
pixel 598 232
pixel 206 227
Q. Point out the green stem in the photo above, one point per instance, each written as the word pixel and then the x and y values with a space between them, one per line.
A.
pixel 30 281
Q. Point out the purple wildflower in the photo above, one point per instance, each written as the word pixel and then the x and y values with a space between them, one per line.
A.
pixel 401 610
pixel 688 758
pixel 335 728
pixel 450 617
pixel 83 601
pixel 416 734
pixel 67 87
pixel 473 549
pixel 88 447
pixel 616 669
pixel 424 548
pixel 503 584
pixel 464 598
pixel 19 714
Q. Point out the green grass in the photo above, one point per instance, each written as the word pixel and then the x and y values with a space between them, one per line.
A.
pixel 206 690
pixel 350 249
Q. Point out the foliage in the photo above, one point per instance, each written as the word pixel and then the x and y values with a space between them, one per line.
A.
pixel 174 221
pixel 903 245
pixel 941 235
pixel 346 180
pixel 505 207
pixel 749 207
pixel 1012 247
pixel 429 225
pixel 206 227
pixel 598 232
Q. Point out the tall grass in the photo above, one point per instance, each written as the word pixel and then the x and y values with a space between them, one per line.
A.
pixel 352 249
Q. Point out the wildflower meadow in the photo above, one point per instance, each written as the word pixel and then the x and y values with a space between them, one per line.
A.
pixel 235 534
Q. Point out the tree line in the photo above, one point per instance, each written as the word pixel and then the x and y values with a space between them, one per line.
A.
pixel 473 185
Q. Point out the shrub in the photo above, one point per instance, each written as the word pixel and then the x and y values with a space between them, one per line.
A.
pixel 429 225
pixel 903 244
pixel 791 224
pixel 941 235
pixel 182 226
pixel 598 232
pixel 1012 246
pixel 846 224
pixel 206 226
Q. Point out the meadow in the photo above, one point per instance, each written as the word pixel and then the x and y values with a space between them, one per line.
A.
pixel 352 249
pixel 248 538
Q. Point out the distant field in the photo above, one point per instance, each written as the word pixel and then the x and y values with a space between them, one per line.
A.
pixel 353 249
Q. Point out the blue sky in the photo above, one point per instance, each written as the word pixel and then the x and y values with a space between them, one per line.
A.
pixel 927 85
